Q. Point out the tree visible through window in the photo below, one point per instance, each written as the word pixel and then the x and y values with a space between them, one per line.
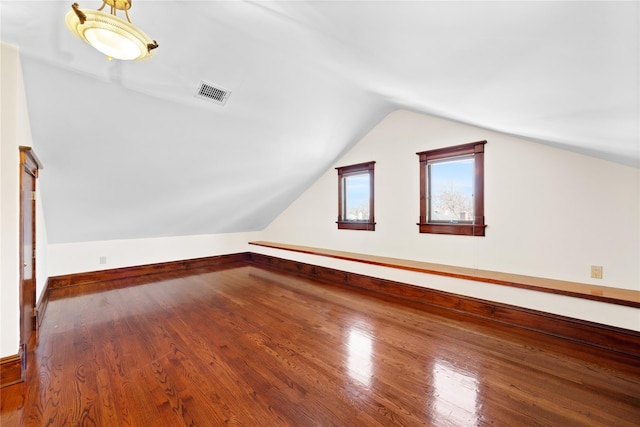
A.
pixel 452 190
pixel 355 197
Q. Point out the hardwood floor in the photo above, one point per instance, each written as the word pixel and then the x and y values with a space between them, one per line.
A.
pixel 243 345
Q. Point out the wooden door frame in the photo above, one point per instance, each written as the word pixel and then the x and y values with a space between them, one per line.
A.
pixel 30 164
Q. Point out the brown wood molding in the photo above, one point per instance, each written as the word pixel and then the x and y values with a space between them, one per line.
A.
pixel 63 281
pixel 606 294
pixel 343 173
pixel 11 369
pixel 606 337
pixel 478 226
pixel 41 307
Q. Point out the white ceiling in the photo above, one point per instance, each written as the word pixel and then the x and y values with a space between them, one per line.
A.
pixel 129 152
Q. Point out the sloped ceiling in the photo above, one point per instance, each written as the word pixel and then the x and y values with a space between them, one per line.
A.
pixel 129 152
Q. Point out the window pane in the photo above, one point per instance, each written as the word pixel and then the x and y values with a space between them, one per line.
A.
pixel 451 190
pixel 356 197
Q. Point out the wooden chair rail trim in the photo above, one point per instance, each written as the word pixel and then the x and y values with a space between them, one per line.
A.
pixel 11 370
pixel 619 296
pixel 619 340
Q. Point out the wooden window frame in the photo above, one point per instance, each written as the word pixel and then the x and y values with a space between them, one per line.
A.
pixel 478 226
pixel 344 171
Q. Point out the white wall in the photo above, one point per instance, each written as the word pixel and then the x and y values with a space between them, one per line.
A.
pixel 69 258
pixel 15 131
pixel 550 213
pixel 42 273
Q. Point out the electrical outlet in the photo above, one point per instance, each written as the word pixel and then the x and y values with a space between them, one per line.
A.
pixel 103 260
pixel 596 272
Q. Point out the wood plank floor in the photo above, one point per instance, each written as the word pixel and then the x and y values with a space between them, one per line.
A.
pixel 248 346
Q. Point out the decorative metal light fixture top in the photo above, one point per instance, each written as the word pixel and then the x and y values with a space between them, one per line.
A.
pixel 113 36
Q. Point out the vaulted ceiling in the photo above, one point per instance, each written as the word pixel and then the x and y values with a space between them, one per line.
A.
pixel 129 152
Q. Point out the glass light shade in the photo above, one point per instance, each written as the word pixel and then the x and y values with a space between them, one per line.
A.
pixel 110 35
pixel 112 44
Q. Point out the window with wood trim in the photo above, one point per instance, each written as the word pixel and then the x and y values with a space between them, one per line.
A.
pixel 452 190
pixel 355 197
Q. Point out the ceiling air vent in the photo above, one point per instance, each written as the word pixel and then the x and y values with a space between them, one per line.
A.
pixel 212 93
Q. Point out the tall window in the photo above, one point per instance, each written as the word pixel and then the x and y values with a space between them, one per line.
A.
pixel 452 190
pixel 355 197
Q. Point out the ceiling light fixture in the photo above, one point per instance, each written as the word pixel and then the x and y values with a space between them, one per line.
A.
pixel 109 34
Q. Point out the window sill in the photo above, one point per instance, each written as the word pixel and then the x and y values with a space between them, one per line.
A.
pixel 455 229
pixel 356 225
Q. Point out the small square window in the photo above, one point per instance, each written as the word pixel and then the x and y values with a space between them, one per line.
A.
pixel 355 197
pixel 452 190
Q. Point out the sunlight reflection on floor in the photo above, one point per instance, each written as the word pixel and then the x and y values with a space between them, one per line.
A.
pixel 360 361
pixel 456 394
